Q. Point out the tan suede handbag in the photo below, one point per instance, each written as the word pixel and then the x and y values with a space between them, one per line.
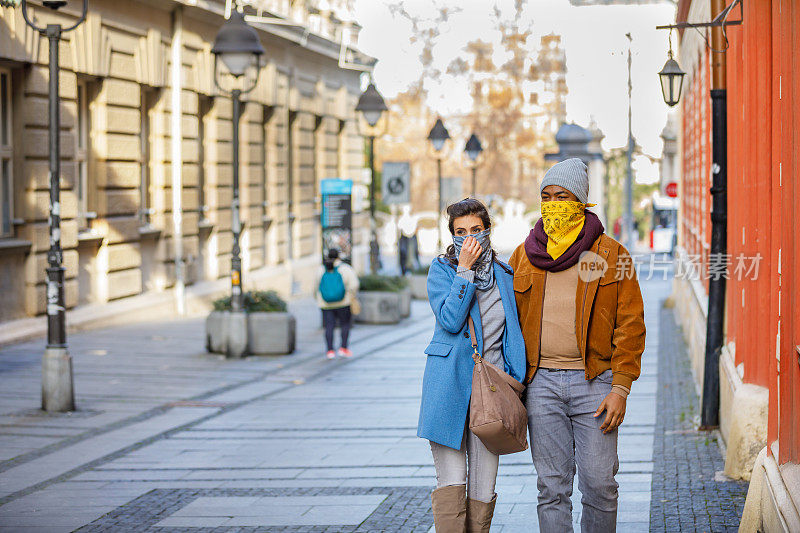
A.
pixel 355 304
pixel 497 415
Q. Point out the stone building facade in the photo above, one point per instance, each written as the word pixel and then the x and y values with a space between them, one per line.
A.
pixel 298 127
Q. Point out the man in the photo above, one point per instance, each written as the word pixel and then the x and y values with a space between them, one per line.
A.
pixel 582 318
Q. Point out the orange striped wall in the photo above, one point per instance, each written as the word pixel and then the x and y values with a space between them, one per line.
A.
pixel 763 120
pixel 695 200
pixel 763 94
pixel 786 17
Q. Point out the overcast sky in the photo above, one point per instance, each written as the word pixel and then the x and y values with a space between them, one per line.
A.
pixel 596 49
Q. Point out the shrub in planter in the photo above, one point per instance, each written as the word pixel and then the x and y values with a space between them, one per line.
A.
pixel 381 299
pixel 378 283
pixel 265 327
pixel 255 302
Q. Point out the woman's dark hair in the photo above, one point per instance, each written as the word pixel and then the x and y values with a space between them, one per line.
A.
pixel 463 208
pixel 327 261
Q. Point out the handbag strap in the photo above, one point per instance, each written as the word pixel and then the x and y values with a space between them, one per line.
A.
pixel 477 357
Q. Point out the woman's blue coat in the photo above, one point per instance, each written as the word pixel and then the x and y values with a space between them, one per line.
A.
pixel 447 383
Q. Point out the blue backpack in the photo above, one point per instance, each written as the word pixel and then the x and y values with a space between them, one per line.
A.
pixel 331 286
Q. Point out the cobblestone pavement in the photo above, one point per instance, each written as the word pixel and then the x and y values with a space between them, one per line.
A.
pixel 169 438
pixel 689 491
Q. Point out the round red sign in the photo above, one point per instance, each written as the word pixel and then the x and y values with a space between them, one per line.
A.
pixel 671 189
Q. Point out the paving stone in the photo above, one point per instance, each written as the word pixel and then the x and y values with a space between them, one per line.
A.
pixel 366 509
pixel 193 521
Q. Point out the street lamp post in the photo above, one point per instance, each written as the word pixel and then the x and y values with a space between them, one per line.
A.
pixel 57 384
pixel 239 48
pixel 630 239
pixel 438 136
pixel 473 150
pixel 372 106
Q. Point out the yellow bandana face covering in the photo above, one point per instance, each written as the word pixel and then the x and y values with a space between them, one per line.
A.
pixel 563 220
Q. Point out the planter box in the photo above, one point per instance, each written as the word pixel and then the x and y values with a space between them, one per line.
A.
pixel 226 333
pixel 405 302
pixel 271 333
pixel 239 334
pixel 379 307
pixel 419 286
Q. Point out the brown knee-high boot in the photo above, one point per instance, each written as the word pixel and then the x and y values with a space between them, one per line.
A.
pixel 479 515
pixel 449 505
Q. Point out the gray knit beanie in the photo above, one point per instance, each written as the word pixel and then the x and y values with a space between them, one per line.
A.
pixel 572 174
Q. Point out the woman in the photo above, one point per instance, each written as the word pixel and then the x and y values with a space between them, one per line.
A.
pixel 467 281
pixel 582 317
pixel 337 283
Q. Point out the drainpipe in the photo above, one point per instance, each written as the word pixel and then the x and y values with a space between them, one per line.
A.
pixel 176 136
pixel 709 417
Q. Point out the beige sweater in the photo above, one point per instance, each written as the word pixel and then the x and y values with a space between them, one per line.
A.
pixel 559 347
pixel 559 343
pixel 351 285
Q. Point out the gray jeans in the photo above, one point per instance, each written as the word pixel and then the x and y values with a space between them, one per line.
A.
pixel 564 433
pixel 451 467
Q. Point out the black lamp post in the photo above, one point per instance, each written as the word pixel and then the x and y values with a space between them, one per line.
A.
pixel 57 384
pixel 438 136
pixel 372 106
pixel 473 150
pixel 239 48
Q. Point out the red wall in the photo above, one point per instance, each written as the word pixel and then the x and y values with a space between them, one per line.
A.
pixel 786 26
pixel 763 310
pixel 695 201
pixel 763 120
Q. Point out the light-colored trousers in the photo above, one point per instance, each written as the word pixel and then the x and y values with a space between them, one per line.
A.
pixel 565 434
pixel 473 464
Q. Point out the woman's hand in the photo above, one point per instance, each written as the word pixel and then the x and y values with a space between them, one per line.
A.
pixel 470 252
pixel 614 406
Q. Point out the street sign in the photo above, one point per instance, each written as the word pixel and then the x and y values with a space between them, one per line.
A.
pixel 671 189
pixel 337 217
pixel 396 182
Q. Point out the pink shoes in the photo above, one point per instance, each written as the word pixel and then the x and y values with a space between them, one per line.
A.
pixel 341 352
pixel 344 352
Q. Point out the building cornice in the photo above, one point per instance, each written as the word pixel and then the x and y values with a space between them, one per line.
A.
pixel 298 35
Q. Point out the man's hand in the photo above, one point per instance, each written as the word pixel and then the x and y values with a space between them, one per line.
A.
pixel 614 406
pixel 470 252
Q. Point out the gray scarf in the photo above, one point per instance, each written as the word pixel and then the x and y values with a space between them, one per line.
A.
pixel 484 272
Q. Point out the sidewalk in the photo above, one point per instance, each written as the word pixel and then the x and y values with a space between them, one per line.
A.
pixel 690 492
pixel 170 437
